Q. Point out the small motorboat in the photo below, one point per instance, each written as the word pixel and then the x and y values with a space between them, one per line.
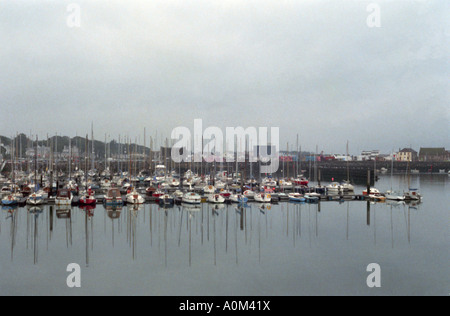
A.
pixel 63 197
pixel 296 197
pixel 311 198
pixel 113 197
pixel 166 199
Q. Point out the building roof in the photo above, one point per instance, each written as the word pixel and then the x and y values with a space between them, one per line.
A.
pixel 432 151
pixel 408 150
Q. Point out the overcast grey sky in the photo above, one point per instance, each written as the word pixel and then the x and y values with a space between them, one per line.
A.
pixel 313 68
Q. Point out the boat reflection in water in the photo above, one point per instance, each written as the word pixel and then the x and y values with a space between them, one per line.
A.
pixel 63 211
pixel 189 225
pixel 185 249
pixel 195 235
pixel 113 211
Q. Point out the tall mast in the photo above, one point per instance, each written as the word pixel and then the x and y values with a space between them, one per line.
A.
pixel 86 158
pixel 348 170
pixel 151 156
pixel 297 172
pixel 287 161
pixel 35 165
pixel 93 150
pixel 13 159
pixel 56 151
pixel 145 151
pixel 106 150
pixel 119 152
pixel 70 158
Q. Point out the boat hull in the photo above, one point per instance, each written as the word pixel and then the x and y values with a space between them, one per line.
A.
pixel 59 201
pixel 113 202
pixel 35 200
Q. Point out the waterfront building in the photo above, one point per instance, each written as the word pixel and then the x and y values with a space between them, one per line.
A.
pixel 433 154
pixel 406 154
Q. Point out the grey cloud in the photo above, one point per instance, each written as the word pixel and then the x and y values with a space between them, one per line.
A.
pixel 311 68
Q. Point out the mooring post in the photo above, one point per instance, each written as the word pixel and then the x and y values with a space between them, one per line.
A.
pixel 368 182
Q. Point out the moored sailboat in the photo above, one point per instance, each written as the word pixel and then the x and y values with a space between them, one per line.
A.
pixel 88 197
pixel 191 198
pixel 63 197
pixel 216 198
pixel 134 197
pixel 263 197
pixel 36 198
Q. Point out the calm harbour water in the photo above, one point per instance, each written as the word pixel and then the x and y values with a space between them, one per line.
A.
pixel 285 249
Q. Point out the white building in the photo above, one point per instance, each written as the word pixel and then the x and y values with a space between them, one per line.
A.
pixel 42 151
pixel 369 155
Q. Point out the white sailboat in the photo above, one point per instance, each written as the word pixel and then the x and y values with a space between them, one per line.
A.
pixel 174 183
pixel 249 194
pixel 269 182
pixel 192 198
pixel 263 197
pixel 216 198
pixel 37 198
pixel 209 189
pixel 393 195
pixel 134 197
pixel 413 195
pixel 347 187
pixel 285 184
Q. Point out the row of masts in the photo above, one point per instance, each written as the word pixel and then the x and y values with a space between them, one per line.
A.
pixel 135 159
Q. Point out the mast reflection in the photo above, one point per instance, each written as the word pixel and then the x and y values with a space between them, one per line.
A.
pixel 187 233
pixel 34 212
